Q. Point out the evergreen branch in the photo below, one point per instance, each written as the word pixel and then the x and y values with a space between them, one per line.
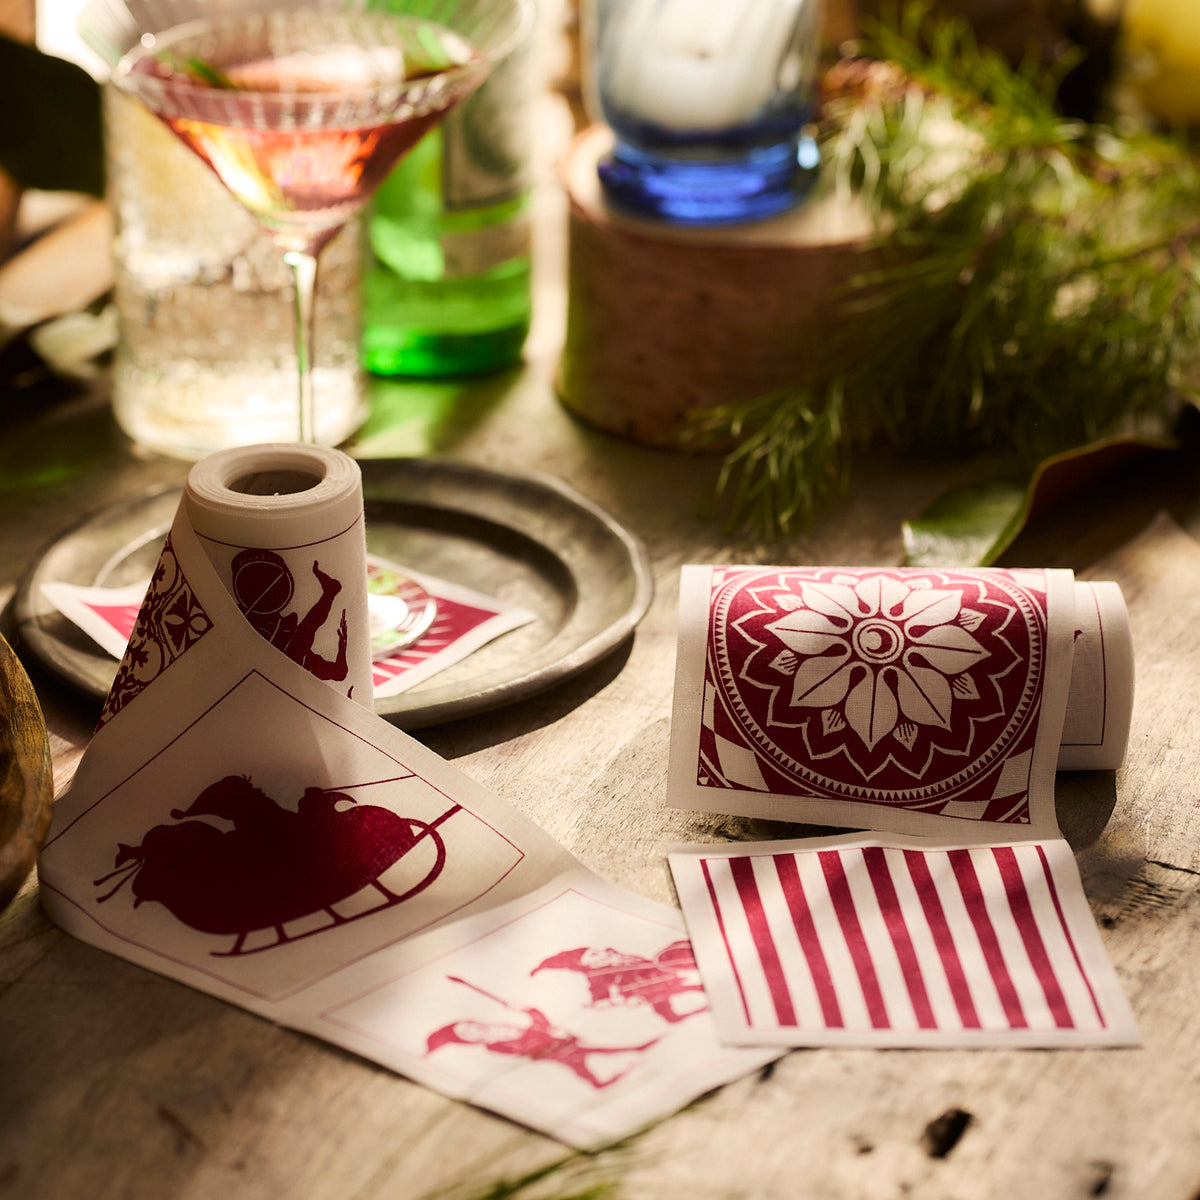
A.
pixel 791 455
pixel 1037 289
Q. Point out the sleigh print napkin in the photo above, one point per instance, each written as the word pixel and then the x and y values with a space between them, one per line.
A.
pixel 928 706
pixel 245 827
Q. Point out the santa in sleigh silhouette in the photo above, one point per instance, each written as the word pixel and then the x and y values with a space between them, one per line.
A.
pixel 616 978
pixel 275 865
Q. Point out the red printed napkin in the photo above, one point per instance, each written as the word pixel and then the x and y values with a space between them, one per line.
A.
pixel 892 942
pixel 241 824
pixel 465 620
pixel 907 702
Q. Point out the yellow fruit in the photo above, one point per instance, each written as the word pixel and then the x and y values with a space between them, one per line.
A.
pixel 1162 43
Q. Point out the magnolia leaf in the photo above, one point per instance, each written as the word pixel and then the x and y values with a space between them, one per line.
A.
pixel 972 526
pixel 966 527
pixel 51 136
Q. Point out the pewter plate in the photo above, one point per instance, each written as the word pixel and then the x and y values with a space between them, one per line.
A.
pixel 527 540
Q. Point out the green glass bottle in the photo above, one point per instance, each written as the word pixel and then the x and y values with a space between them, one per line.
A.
pixel 447 288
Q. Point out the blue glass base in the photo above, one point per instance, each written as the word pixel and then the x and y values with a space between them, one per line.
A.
pixel 761 183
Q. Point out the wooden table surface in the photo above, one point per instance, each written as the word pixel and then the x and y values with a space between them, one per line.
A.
pixel 117 1083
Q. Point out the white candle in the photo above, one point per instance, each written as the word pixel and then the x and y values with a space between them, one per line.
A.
pixel 700 64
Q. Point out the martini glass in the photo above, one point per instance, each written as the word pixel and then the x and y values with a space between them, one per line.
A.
pixel 301 107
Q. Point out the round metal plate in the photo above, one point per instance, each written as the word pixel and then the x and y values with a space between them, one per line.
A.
pixel 527 540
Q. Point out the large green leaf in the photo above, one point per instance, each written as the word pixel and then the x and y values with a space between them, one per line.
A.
pixel 971 526
pixel 966 527
pixel 51 135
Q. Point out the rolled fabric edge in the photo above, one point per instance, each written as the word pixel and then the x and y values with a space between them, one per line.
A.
pixel 305 493
pixel 300 507
pixel 1100 700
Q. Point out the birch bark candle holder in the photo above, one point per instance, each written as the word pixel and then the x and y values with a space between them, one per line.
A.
pixel 663 319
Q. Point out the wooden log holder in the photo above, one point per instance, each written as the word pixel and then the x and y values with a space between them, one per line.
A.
pixel 663 319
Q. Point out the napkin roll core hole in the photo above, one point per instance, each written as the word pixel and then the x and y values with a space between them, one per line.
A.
pixel 281 481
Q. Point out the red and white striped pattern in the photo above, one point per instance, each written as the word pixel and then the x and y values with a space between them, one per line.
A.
pixel 900 944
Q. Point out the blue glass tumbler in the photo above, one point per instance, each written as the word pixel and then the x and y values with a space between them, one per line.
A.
pixel 709 101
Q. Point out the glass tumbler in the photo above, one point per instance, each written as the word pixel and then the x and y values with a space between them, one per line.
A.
pixel 206 358
pixel 708 100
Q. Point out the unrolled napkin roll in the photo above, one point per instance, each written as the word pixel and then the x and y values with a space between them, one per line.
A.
pixel 1100 701
pixel 243 827
pixel 283 527
pixel 909 700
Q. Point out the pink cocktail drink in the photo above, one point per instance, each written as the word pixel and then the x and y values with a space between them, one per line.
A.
pixel 297 111
pixel 301 107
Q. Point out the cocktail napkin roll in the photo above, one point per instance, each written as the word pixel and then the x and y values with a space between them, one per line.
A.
pixel 242 821
pixel 908 700
pixel 280 529
pixel 283 527
pixel 931 709
pixel 1100 702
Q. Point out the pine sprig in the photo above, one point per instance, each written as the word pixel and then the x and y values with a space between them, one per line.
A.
pixel 1036 289
pixel 790 452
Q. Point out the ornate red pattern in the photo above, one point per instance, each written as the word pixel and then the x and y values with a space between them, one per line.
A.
pixel 168 624
pixel 906 688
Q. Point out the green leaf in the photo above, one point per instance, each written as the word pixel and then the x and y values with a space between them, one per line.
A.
pixel 51 137
pixel 966 527
pixel 972 526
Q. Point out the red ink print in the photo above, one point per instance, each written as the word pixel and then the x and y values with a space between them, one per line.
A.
pixel 263 588
pixel 616 978
pixel 275 865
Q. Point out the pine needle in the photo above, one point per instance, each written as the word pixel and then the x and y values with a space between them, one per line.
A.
pixel 1038 287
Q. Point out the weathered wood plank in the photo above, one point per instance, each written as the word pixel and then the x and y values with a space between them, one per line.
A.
pixel 119 1085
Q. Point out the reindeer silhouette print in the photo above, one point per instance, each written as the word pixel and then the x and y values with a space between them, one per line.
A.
pixel 263 587
pixel 275 865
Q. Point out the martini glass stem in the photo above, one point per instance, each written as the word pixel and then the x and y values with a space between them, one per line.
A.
pixel 304 279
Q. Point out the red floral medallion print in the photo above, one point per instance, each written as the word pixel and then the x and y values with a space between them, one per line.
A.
pixel 906 688
pixel 168 624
